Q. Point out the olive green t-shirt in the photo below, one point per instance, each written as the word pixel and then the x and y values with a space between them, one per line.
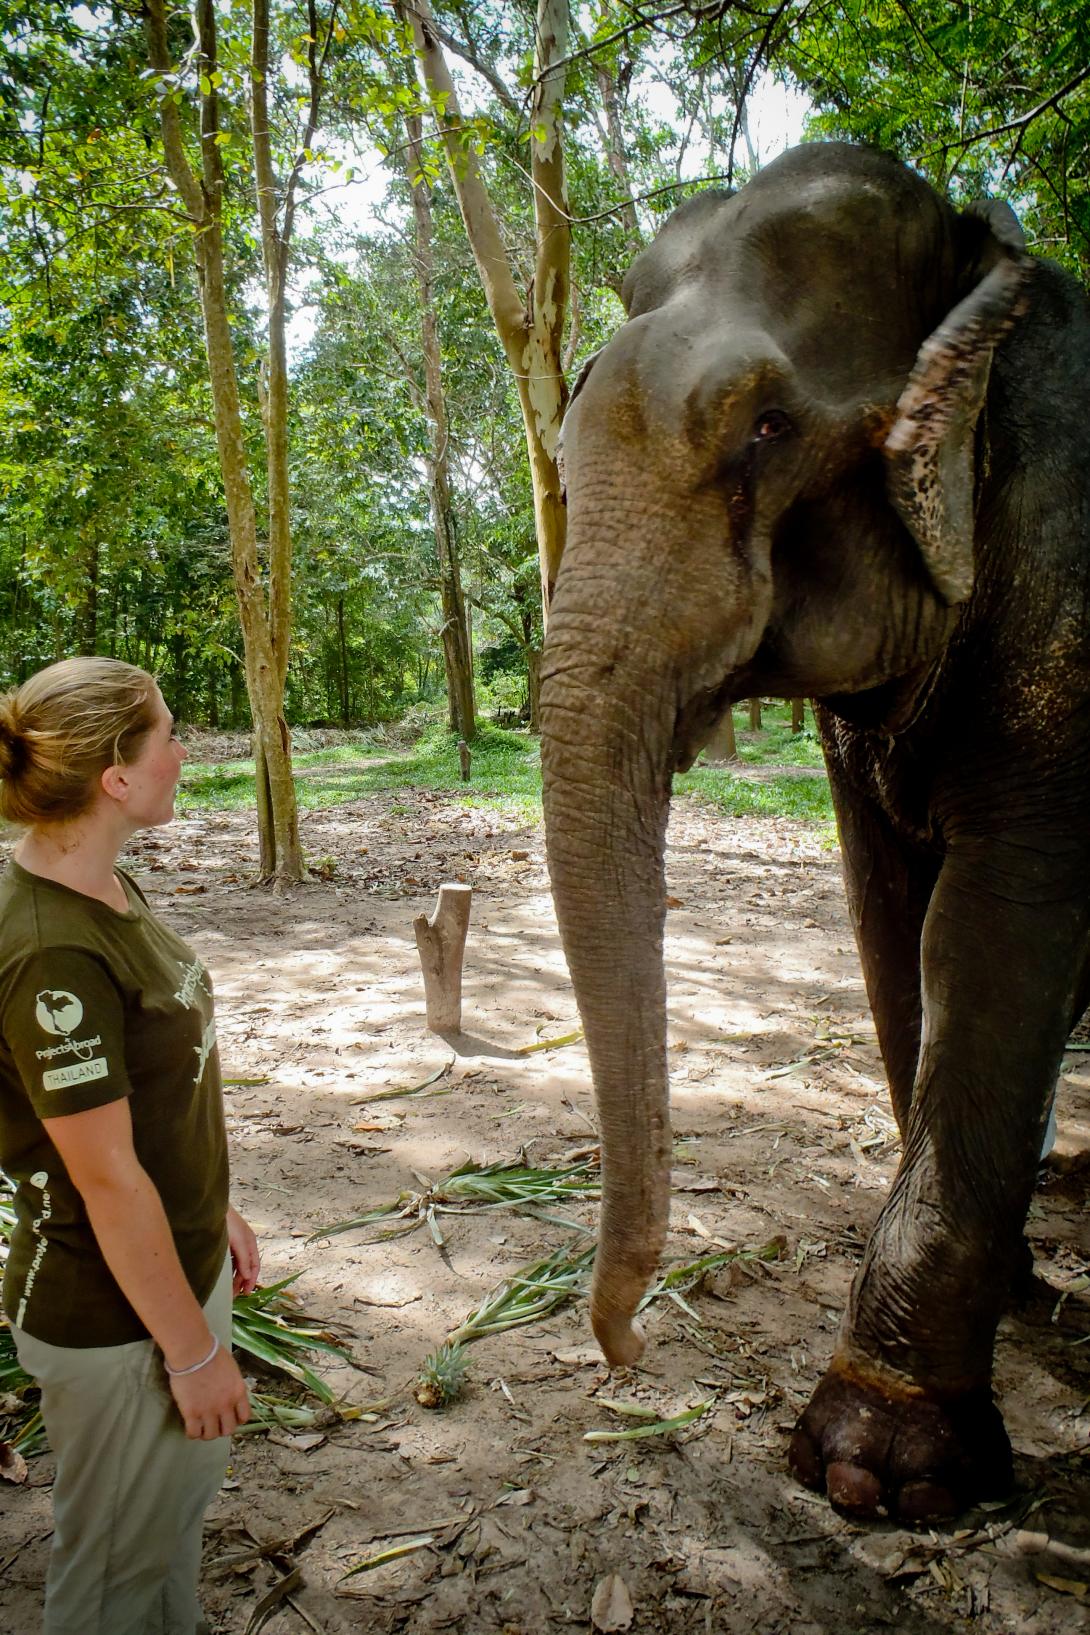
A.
pixel 96 1005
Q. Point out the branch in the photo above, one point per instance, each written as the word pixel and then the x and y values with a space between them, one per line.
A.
pixel 633 28
pixel 264 174
pixel 469 54
pixel 315 72
pixel 482 226
pixel 1021 122
pixel 207 66
pixel 751 73
pixel 178 166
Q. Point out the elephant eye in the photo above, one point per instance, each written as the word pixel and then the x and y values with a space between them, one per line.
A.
pixel 770 425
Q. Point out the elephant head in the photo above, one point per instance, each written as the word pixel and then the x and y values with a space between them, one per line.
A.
pixel 771 473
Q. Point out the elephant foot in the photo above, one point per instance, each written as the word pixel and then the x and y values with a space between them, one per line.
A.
pixel 914 1459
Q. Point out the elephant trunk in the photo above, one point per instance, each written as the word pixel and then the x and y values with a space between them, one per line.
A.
pixel 606 765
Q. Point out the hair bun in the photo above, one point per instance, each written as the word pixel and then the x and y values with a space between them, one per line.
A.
pixel 13 748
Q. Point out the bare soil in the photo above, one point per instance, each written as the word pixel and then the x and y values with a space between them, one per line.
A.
pixel 781 1128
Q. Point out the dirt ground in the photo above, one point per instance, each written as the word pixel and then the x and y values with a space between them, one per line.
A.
pixel 782 1128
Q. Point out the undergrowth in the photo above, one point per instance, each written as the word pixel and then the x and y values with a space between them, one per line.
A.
pixel 506 773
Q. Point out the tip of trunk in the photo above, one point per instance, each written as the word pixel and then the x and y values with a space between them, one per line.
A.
pixel 621 1338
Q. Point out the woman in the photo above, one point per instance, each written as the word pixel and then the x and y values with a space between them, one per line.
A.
pixel 119 1278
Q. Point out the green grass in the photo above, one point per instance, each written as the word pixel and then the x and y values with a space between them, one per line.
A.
pixel 803 798
pixel 506 773
pixel 776 743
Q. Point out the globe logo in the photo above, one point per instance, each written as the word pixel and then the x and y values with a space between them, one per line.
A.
pixel 57 1011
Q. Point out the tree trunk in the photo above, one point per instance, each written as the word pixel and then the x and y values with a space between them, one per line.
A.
pixel 754 715
pixel 722 745
pixel 533 686
pixel 87 618
pixel 457 655
pixel 530 329
pixel 266 623
pixel 342 648
pixel 798 714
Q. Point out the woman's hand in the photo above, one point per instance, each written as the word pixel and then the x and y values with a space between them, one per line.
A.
pixel 213 1401
pixel 245 1255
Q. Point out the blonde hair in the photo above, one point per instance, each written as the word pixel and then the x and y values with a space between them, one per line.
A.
pixel 61 729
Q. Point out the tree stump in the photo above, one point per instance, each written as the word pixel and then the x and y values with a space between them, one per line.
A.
pixel 722 745
pixel 441 939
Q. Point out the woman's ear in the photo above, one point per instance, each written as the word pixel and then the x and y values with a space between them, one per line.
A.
pixel 929 451
pixel 114 783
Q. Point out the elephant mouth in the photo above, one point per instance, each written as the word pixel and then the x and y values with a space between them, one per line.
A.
pixel 696 721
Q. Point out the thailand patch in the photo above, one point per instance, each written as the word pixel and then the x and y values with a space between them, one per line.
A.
pixel 59 1078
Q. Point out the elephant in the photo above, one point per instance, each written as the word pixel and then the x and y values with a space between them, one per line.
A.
pixel 837 449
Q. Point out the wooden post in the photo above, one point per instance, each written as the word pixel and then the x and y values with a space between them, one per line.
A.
pixel 441 940
pixel 464 759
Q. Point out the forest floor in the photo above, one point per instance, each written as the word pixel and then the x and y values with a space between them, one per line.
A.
pixel 509 1521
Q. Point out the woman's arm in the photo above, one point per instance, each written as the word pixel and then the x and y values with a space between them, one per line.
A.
pixel 133 1233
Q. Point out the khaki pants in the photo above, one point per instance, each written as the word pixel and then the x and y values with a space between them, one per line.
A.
pixel 130 1489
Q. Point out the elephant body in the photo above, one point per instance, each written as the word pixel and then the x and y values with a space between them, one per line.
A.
pixel 837 449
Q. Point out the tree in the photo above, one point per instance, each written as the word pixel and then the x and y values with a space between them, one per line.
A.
pixel 530 329
pixel 265 610
pixel 983 99
pixel 457 650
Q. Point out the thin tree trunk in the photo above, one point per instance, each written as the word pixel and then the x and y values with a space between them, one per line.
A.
pixel 723 744
pixel 265 621
pixel 533 686
pixel 530 329
pixel 798 714
pixel 342 647
pixel 457 654
pixel 87 620
pixel 754 715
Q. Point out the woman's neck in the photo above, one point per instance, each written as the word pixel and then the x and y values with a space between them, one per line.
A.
pixel 80 854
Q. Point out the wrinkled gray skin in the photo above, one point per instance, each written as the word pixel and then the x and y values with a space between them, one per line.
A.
pixel 839 449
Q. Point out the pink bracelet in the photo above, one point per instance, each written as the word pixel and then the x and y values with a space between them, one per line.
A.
pixel 194 1368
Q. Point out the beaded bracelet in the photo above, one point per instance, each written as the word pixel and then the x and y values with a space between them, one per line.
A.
pixel 194 1368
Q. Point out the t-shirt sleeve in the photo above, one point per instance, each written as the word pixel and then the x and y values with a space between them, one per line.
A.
pixel 63 1021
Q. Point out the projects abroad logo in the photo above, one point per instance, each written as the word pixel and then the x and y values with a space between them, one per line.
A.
pixel 59 1012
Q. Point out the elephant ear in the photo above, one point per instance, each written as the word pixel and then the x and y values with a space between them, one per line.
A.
pixel 929 451
pixel 576 389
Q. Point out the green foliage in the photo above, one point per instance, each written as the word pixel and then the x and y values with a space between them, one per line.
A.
pixel 792 796
pixel 982 99
pixel 506 772
pixel 112 527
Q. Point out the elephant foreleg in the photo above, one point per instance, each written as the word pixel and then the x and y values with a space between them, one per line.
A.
pixel 889 886
pixel 904 1419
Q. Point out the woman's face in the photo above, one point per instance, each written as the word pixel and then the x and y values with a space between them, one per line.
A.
pixel 152 776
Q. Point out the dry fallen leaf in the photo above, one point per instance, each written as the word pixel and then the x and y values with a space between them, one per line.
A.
pixel 1066 1586
pixel 611 1607
pixel 12 1464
